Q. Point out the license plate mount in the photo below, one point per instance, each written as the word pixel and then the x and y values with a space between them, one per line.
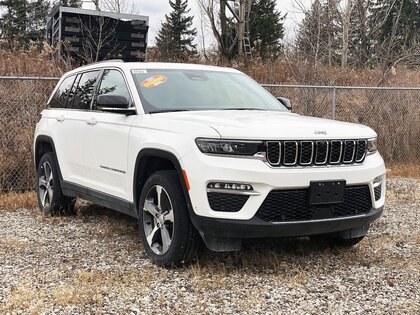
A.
pixel 326 192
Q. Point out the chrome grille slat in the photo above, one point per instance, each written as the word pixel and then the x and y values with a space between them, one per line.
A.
pixel 288 153
pixel 321 154
pixel 301 152
pixel 274 158
pixel 349 146
pixel 340 143
pixel 360 144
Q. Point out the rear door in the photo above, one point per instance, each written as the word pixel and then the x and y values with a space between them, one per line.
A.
pixel 107 140
pixel 56 120
pixel 71 145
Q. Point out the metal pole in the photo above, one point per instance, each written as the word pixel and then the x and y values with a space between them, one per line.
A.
pixel 333 105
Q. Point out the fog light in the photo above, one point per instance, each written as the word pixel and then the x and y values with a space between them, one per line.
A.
pixel 229 186
pixel 378 180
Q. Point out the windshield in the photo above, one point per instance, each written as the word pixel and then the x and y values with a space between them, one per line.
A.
pixel 188 90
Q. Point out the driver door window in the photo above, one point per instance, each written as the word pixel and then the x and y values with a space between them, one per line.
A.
pixel 113 83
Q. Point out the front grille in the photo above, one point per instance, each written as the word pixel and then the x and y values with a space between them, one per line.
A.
pixel 378 192
pixel 293 205
pixel 322 152
pixel 226 202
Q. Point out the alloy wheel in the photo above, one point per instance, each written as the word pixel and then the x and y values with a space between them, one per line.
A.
pixel 158 220
pixel 46 185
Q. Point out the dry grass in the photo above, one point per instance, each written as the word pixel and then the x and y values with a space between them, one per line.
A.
pixel 34 62
pixel 18 200
pixel 410 170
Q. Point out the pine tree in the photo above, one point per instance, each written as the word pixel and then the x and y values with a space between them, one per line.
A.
pixel 395 27
pixel 23 21
pixel 37 19
pixel 175 39
pixel 359 50
pixel 319 36
pixel 14 22
pixel 266 28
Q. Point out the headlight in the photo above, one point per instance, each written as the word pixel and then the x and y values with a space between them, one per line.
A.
pixel 229 147
pixel 371 146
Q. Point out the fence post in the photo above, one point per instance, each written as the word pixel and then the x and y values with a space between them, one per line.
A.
pixel 333 104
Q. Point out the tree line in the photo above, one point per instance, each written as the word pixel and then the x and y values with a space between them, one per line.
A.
pixel 346 33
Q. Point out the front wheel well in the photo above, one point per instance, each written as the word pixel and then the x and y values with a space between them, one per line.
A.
pixel 148 162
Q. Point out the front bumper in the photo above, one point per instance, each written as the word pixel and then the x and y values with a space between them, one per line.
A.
pixel 257 228
pixel 227 235
pixel 203 169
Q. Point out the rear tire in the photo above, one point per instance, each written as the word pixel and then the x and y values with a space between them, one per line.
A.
pixel 167 233
pixel 51 200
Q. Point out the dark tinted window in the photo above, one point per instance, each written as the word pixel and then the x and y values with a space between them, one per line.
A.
pixel 72 93
pixel 85 90
pixel 113 82
pixel 60 97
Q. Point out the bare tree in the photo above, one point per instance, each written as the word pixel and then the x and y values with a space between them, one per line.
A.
pixel 98 40
pixel 97 4
pixel 345 21
pixel 228 32
pixel 119 6
pixel 214 11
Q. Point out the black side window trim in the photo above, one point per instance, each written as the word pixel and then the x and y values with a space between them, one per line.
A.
pixel 73 89
pixel 95 86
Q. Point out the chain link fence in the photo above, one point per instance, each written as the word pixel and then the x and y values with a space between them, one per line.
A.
pixel 394 113
pixel 21 101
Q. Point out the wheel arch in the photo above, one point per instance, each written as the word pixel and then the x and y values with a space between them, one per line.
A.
pixel 149 156
pixel 44 144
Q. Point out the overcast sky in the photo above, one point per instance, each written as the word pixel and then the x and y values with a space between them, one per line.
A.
pixel 156 10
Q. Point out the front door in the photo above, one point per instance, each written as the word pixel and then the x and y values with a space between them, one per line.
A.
pixel 107 141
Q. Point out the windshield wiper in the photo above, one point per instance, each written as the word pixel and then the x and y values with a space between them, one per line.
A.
pixel 167 111
pixel 243 108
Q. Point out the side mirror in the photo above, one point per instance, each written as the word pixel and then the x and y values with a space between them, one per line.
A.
pixel 286 102
pixel 114 103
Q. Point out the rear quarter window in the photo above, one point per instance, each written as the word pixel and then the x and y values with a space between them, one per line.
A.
pixel 59 99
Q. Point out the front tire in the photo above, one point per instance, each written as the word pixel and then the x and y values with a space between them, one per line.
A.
pixel 51 200
pixel 168 236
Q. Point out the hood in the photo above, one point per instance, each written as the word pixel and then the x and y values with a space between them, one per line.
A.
pixel 271 125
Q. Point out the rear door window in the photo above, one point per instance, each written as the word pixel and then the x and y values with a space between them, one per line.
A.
pixel 85 90
pixel 60 97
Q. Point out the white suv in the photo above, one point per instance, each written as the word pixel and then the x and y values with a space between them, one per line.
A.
pixel 203 153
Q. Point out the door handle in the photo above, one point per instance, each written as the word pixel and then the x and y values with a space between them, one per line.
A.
pixel 60 118
pixel 91 122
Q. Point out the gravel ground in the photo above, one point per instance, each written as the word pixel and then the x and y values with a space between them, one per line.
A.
pixel 94 264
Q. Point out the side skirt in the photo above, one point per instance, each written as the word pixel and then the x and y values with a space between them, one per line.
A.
pixel 97 197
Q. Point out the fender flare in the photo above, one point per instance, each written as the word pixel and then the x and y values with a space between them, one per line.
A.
pixel 161 154
pixel 50 141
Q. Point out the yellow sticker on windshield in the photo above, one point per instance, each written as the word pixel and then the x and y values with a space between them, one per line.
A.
pixel 154 81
